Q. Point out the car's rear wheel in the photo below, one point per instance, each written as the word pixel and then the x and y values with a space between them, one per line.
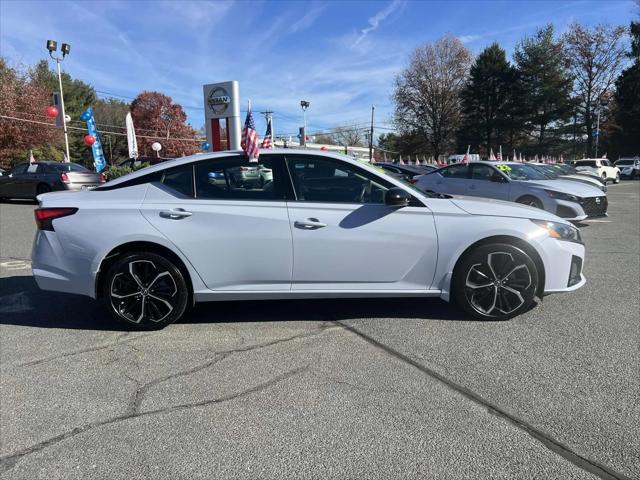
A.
pixel 530 201
pixel 495 282
pixel 145 291
pixel 43 188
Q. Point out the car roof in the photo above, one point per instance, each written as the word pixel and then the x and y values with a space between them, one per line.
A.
pixel 220 155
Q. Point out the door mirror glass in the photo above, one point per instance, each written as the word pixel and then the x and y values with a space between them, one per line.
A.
pixel 397 197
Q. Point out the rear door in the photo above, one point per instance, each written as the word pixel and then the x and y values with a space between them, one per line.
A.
pixel 235 234
pixel 346 238
pixel 9 181
pixel 487 182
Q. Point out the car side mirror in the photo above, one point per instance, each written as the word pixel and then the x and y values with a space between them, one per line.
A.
pixel 397 197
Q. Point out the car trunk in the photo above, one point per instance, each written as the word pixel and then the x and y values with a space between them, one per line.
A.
pixel 83 178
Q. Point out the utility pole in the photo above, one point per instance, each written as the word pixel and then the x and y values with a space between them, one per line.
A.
pixel 373 109
pixel 268 116
pixel 598 129
pixel 52 46
pixel 304 104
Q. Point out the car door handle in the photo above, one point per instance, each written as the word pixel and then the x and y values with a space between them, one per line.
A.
pixel 309 224
pixel 175 214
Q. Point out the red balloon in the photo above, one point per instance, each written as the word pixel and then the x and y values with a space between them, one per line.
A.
pixel 89 139
pixel 52 111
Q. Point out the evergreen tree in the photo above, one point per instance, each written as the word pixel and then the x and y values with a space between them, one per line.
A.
pixel 486 100
pixel 627 97
pixel 545 86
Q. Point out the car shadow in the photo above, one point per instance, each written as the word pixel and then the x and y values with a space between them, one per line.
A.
pixel 22 303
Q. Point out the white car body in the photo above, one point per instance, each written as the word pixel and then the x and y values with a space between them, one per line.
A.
pixel 289 248
pixel 601 166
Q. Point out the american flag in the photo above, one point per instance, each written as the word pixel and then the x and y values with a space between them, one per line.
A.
pixel 267 141
pixel 249 142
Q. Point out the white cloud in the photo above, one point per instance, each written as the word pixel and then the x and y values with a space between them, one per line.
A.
pixel 374 22
pixel 307 19
pixel 468 38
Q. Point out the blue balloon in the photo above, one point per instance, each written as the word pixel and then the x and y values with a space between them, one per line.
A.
pixel 85 116
pixel 205 146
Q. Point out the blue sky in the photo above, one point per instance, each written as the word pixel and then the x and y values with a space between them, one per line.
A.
pixel 341 56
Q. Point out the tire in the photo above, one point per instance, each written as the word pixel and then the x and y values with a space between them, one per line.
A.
pixel 43 188
pixel 617 180
pixel 495 282
pixel 145 291
pixel 530 201
pixel 604 178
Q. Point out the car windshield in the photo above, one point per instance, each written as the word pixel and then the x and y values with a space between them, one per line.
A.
pixel 625 162
pixel 519 171
pixel 547 170
pixel 68 167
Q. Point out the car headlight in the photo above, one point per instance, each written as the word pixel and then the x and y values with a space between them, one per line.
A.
pixel 561 196
pixel 560 231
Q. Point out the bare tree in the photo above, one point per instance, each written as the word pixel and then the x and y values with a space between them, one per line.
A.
pixel 596 57
pixel 348 135
pixel 428 92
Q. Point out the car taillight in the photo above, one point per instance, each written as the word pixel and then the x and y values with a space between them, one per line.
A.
pixel 244 169
pixel 102 178
pixel 46 216
pixel 64 178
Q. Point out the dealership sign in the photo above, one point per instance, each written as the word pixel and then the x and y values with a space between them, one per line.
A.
pixel 218 100
pixel 222 115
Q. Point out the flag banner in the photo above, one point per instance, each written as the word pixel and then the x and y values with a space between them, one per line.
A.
pixel 249 141
pixel 31 158
pixel 499 156
pixel 131 137
pixel 98 155
pixel 465 159
pixel 492 157
pixel 267 141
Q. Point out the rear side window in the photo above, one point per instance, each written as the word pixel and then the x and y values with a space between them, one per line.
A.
pixel 236 178
pixel 586 163
pixel 18 169
pixel 456 171
pixel 65 167
pixel 180 179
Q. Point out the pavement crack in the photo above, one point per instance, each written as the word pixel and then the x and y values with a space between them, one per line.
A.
pixel 546 439
pixel 95 348
pixel 9 461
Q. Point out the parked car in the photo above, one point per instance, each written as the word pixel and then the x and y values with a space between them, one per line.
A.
pixel 315 231
pixel 26 180
pixel 3 172
pixel 555 172
pixel 629 167
pixel 409 172
pixel 604 169
pixel 520 183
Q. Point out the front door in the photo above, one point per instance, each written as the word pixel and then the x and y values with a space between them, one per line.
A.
pixel 233 229
pixel 487 182
pixel 346 238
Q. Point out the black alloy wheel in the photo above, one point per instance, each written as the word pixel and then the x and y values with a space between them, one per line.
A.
pixel 145 291
pixel 495 282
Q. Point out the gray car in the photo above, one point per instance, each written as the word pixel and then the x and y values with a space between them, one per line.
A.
pixel 517 182
pixel 27 180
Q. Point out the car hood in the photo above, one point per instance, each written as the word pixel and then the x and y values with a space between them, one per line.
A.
pixel 567 186
pixel 499 208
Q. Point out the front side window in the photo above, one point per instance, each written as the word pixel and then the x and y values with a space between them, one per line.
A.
pixel 482 172
pixel 318 179
pixel 235 178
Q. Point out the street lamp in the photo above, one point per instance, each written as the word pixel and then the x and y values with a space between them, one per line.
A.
pixel 52 46
pixel 600 106
pixel 304 104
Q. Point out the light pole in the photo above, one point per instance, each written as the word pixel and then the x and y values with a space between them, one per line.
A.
pixel 52 46
pixel 304 104
pixel 600 105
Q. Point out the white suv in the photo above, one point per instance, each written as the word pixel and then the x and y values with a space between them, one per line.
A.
pixel 605 170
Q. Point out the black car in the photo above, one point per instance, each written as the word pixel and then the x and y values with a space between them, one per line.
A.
pixel 407 172
pixel 27 180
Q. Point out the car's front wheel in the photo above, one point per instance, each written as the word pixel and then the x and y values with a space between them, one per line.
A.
pixel 617 180
pixel 495 282
pixel 145 291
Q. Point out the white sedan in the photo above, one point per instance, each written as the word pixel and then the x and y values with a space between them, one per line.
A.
pixel 155 241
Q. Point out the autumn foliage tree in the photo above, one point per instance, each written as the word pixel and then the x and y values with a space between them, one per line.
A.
pixel 23 98
pixel 155 115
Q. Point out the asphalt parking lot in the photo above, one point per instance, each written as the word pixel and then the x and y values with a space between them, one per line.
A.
pixel 402 388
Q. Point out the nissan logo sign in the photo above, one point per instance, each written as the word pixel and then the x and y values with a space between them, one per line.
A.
pixel 218 100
